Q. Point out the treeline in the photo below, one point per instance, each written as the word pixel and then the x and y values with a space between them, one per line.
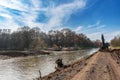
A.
pixel 115 42
pixel 34 38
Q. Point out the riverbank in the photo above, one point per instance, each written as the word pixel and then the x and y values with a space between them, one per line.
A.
pixel 7 54
pixel 99 66
pixel 12 54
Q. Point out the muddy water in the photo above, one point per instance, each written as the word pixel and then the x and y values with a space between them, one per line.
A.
pixel 27 68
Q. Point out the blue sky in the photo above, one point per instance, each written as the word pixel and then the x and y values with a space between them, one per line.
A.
pixel 82 16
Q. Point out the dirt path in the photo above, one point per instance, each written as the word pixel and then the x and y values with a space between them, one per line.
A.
pixel 100 66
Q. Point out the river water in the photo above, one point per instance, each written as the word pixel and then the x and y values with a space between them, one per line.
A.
pixel 27 68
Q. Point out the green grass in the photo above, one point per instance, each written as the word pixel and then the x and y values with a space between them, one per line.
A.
pixel 116 47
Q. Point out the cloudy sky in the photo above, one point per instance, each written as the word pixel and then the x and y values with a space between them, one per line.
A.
pixel 91 17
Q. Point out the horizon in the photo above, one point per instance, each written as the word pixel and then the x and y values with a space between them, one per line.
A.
pixel 82 16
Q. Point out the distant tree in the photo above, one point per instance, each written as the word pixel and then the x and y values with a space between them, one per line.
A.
pixel 21 39
pixel 33 38
pixel 115 41
pixel 5 41
pixel 68 38
pixel 38 44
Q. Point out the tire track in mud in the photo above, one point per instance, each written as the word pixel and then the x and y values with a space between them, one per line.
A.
pixel 115 67
pixel 111 71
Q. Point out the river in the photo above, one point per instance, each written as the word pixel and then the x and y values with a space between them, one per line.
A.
pixel 27 68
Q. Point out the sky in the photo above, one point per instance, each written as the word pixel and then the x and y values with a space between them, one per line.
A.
pixel 91 17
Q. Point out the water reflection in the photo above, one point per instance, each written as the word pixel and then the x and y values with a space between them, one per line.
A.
pixel 26 68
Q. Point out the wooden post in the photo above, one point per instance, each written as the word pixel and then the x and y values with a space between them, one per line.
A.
pixel 40 75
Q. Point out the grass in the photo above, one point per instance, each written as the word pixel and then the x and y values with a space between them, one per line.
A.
pixel 116 47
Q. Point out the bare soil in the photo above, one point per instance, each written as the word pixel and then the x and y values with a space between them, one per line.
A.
pixel 100 66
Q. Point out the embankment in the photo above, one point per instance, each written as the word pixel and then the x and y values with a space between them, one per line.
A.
pixel 12 54
pixel 99 66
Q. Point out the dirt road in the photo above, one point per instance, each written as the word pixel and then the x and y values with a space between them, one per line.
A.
pixel 100 66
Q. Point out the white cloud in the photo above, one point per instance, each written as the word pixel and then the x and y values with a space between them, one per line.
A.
pixel 63 12
pixel 13 4
pixel 94 36
pixel 28 13
pixel 93 31
pixel 98 26
pixel 108 35
pixel 58 14
pixel 10 25
pixel 101 26
pixel 78 29
pixel 94 25
pixel 111 35
pixel 6 15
